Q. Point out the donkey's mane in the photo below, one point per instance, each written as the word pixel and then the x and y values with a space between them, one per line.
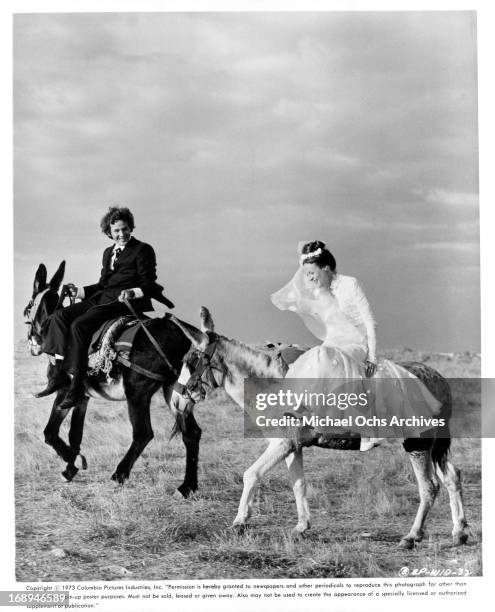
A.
pixel 256 362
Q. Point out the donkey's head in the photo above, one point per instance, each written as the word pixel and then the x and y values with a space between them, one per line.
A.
pixel 202 368
pixel 43 302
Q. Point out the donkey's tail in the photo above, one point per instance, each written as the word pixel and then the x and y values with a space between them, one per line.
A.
pixel 440 389
pixel 440 450
pixel 441 444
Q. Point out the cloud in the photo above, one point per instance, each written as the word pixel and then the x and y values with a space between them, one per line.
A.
pixel 453 198
pixel 233 135
pixel 464 247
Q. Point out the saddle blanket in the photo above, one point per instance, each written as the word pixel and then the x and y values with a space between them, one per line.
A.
pixel 286 353
pixel 114 337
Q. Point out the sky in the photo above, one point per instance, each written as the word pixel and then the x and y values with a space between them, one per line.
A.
pixel 232 137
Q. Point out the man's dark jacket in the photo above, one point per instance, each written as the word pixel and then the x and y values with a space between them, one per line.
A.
pixel 135 267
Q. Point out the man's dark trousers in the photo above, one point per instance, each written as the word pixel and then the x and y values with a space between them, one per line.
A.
pixel 71 330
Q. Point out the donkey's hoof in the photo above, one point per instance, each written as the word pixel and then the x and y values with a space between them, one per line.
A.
pixel 239 528
pixel 119 478
pixel 407 543
pixel 179 496
pixel 459 539
pixel 69 472
pixel 297 534
pixel 185 491
pixel 80 462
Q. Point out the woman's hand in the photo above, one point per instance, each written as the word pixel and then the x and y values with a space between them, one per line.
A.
pixel 370 368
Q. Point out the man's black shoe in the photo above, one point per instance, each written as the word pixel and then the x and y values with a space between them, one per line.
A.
pixel 57 379
pixel 74 395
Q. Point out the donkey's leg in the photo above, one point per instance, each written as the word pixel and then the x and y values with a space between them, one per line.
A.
pixel 191 435
pixel 75 437
pixel 428 489
pixel 77 424
pixel 185 422
pixel 278 449
pixel 138 404
pixel 296 472
pixel 450 477
pixel 51 431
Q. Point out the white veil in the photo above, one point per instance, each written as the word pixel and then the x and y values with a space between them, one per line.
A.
pixel 295 296
pixel 321 313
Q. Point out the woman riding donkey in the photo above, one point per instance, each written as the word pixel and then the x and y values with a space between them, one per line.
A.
pixel 128 273
pixel 335 309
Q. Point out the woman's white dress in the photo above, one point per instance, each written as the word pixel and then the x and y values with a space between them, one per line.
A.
pixel 343 320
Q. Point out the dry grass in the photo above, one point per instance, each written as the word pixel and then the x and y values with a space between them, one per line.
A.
pixel 93 529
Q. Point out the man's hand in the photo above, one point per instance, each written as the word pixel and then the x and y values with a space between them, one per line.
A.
pixel 370 368
pixel 72 289
pixel 126 294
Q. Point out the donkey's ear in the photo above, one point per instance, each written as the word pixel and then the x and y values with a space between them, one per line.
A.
pixel 58 277
pixel 39 279
pixel 206 320
pixel 198 339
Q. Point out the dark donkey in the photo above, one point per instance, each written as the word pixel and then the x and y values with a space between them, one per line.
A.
pixel 137 389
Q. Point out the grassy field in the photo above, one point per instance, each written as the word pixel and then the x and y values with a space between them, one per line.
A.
pixel 93 529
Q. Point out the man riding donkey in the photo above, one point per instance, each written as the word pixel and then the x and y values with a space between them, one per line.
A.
pixel 128 273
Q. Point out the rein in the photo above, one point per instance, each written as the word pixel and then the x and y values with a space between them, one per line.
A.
pixel 151 339
pixel 30 313
pixel 34 304
pixel 204 365
pixel 63 294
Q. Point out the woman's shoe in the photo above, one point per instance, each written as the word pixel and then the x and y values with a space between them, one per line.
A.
pixel 369 443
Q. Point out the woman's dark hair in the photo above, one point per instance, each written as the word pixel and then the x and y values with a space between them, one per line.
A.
pixel 322 259
pixel 114 214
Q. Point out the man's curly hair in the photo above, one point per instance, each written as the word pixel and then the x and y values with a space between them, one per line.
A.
pixel 116 213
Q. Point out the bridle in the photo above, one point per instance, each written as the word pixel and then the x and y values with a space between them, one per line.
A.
pixel 31 313
pixel 202 376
